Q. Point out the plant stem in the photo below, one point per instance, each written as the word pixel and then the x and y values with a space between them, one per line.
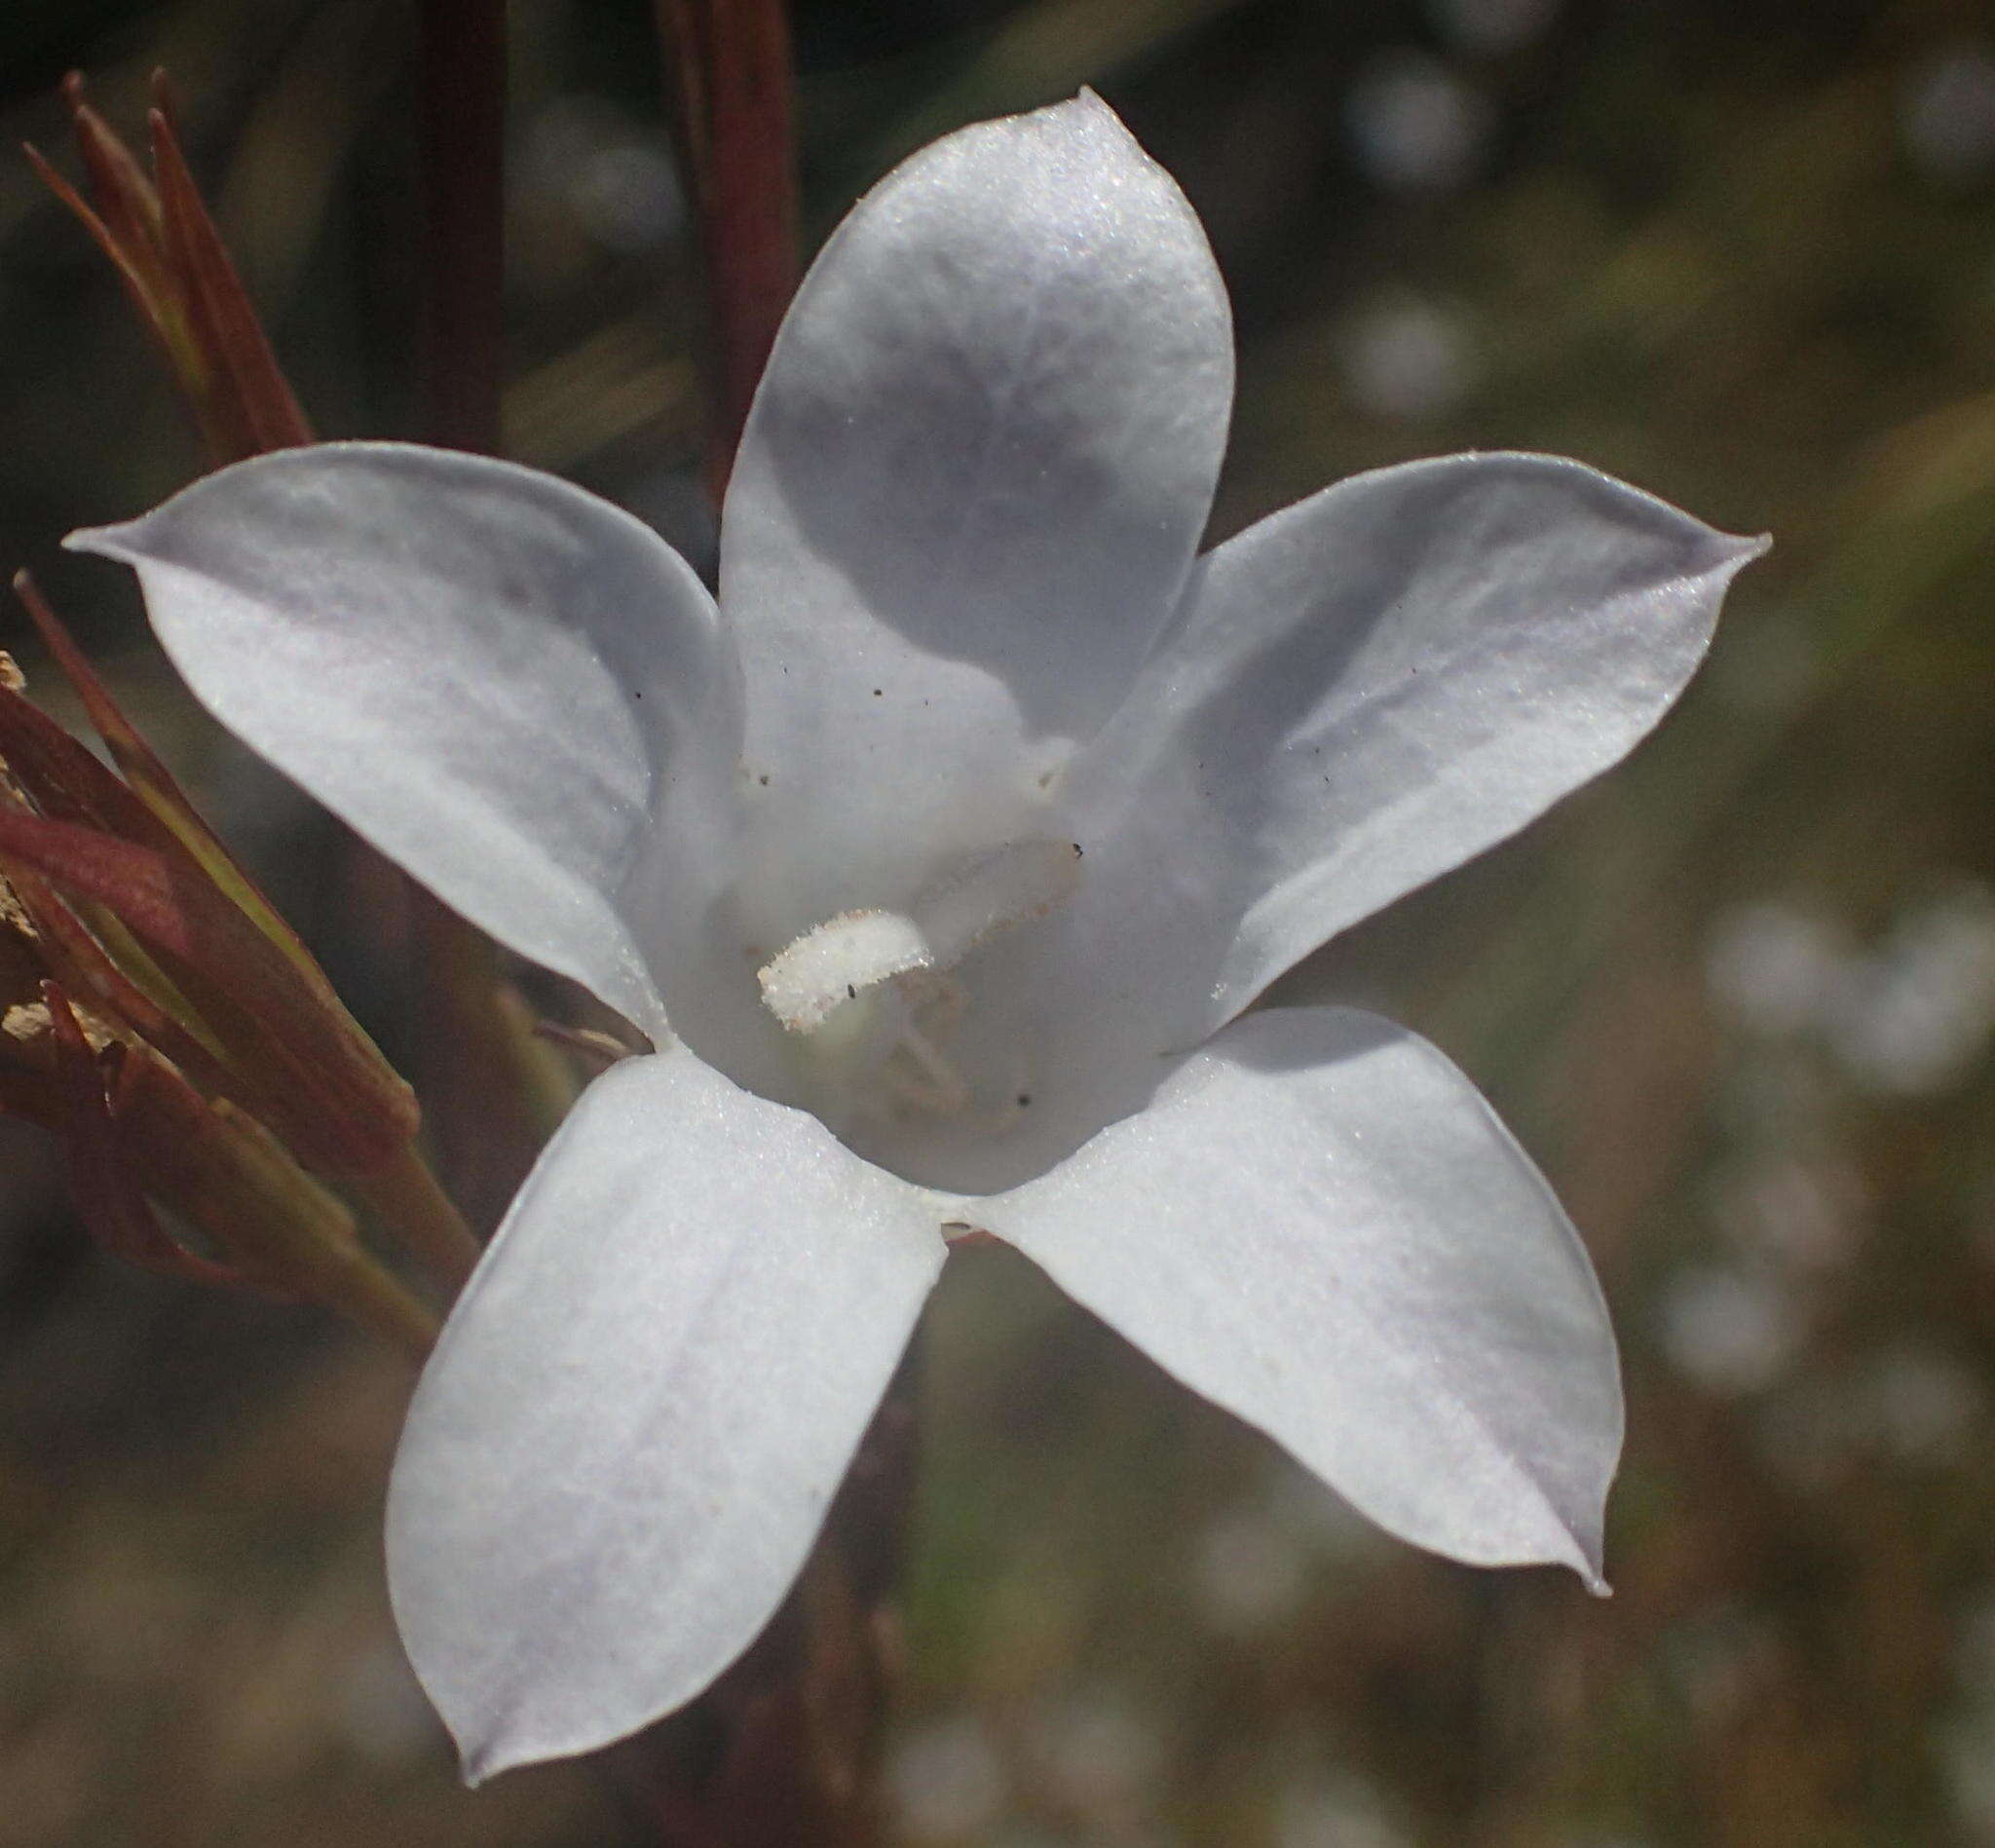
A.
pixel 481 1078
pixel 419 1213
pixel 729 64
pixel 485 1126
pixel 461 90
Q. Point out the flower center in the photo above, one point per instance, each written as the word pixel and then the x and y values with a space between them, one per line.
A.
pixel 868 995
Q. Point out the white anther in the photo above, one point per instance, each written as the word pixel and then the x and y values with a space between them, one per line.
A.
pixel 839 961
pixel 844 956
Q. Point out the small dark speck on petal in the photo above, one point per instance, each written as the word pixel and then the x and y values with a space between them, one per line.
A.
pixel 1025 1099
pixel 636 692
pixel 763 779
pixel 851 991
pixel 877 692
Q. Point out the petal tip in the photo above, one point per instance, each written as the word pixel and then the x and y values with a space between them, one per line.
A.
pixel 1088 123
pixel 476 1768
pixel 484 1757
pixel 1726 554
pixel 1088 104
pixel 105 542
pixel 480 1760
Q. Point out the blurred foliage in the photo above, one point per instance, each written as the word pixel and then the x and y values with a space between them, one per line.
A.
pixel 1739 998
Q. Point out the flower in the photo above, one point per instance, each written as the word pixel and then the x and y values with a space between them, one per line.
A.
pixel 953 846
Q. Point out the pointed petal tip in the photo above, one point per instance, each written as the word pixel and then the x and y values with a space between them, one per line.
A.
pixel 104 541
pixel 1087 104
pixel 481 1758
pixel 1084 121
pixel 477 1765
pixel 1090 115
pixel 1587 1559
pixel 1726 554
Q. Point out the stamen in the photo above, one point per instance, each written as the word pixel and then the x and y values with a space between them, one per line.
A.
pixel 1011 885
pixel 935 1086
pixel 839 961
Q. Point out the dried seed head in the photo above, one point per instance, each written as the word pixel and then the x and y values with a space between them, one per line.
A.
pixel 27 1021
pixel 13 914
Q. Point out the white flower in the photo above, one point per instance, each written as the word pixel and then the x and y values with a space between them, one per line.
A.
pixel 954 843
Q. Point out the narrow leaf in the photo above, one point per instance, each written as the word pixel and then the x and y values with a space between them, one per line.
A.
pixel 259 400
pixel 71 953
pixel 337 1101
pixel 107 1193
pixel 145 291
pixel 128 200
pixel 63 779
pixel 233 1180
pixel 154 784
pixel 127 225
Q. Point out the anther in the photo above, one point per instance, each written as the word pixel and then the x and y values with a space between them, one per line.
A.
pixel 846 955
pixel 828 967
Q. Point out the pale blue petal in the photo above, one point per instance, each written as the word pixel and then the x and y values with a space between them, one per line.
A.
pixel 623 1446
pixel 973 482
pixel 1366 691
pixel 1321 1226
pixel 498 680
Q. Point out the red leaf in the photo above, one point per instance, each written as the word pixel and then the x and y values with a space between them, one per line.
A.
pixel 107 1193
pixel 128 200
pixel 76 958
pixel 317 1077
pixel 63 779
pixel 142 286
pixel 152 782
pixel 248 380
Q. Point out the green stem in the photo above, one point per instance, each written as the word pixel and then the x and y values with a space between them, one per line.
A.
pixel 416 1210
pixel 378 1301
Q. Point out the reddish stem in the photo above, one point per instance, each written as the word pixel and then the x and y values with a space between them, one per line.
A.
pixel 477 1120
pixel 729 61
pixel 461 81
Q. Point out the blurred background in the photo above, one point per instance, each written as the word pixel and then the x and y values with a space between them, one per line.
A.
pixel 1738 999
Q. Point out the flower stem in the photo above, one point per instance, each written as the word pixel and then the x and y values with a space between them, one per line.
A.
pixel 381 1303
pixel 461 87
pixel 481 1076
pixel 729 64
pixel 480 1095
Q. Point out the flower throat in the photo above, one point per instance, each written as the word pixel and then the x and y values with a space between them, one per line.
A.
pixel 868 996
